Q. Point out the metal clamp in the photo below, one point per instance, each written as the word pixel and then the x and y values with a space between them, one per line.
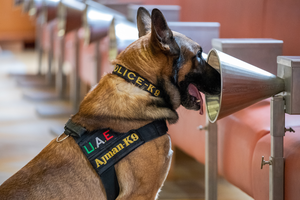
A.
pixel 289 130
pixel 264 162
pixel 201 128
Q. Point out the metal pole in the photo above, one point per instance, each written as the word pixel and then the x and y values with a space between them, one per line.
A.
pixel 38 43
pixel 276 172
pixel 98 59
pixel 211 161
pixel 60 82
pixel 50 55
pixel 76 98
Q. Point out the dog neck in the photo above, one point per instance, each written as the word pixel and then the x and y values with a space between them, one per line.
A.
pixel 121 106
pixel 116 104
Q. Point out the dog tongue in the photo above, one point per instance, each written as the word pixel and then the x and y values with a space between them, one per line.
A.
pixel 195 93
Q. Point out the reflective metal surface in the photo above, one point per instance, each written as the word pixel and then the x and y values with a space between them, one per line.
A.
pixel 242 85
pixel 121 34
pixel 118 6
pixel 18 2
pixel 96 21
pixel 35 6
pixel 265 49
pixel 69 16
pixel 170 12
pixel 200 32
pixel 51 7
pixel 45 9
pixel 289 70
pixel 277 131
pixel 26 5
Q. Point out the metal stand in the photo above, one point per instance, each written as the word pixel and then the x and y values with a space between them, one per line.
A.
pixel 98 63
pixel 211 161
pixel 75 93
pixel 276 173
pixel 38 48
pixel 60 86
pixel 276 162
pixel 38 23
pixel 60 79
pixel 44 81
pixel 39 80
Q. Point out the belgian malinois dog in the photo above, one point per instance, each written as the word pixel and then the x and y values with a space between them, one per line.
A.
pixel 169 61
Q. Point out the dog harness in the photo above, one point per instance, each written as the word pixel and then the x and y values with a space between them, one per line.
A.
pixel 104 148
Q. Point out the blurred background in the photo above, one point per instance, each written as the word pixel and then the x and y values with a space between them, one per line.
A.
pixel 53 51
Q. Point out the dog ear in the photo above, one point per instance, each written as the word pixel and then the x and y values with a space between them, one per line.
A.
pixel 143 21
pixel 162 35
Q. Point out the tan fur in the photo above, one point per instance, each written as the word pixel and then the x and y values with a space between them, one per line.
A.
pixel 61 171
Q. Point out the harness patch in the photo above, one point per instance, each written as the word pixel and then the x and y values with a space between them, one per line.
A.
pixel 105 148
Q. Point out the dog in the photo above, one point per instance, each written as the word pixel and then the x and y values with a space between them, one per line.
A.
pixel 168 60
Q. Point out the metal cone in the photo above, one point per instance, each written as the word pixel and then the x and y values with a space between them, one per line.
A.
pixel 242 85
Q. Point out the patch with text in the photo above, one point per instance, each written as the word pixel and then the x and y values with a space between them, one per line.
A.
pixel 105 148
pixel 137 80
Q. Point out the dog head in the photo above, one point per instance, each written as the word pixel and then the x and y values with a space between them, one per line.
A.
pixel 190 73
pixel 171 61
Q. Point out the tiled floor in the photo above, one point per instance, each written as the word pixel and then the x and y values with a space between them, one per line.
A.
pixel 23 134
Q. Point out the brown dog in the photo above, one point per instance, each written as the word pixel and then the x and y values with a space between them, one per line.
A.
pixel 170 61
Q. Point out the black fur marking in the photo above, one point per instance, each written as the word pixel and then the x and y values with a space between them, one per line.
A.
pixel 177 63
pixel 167 100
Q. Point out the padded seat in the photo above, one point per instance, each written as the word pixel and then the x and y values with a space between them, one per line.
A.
pixel 243 138
pixel 237 138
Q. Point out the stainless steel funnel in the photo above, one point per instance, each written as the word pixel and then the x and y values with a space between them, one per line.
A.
pixel 97 20
pixel 242 85
pixel 121 34
pixel 69 16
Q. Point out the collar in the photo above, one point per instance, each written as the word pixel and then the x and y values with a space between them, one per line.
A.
pixel 137 80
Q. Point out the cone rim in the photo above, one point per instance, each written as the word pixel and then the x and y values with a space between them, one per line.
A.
pixel 221 93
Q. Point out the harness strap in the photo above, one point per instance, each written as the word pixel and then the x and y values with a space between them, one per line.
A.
pixel 73 129
pixel 104 148
pixel 110 182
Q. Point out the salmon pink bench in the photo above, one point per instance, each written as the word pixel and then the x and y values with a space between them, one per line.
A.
pixel 244 137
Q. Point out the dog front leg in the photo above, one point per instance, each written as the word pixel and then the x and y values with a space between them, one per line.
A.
pixel 142 173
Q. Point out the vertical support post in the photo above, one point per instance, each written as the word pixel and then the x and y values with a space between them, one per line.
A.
pixel 60 81
pixel 98 62
pixel 211 161
pixel 276 172
pixel 50 55
pixel 76 98
pixel 38 42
